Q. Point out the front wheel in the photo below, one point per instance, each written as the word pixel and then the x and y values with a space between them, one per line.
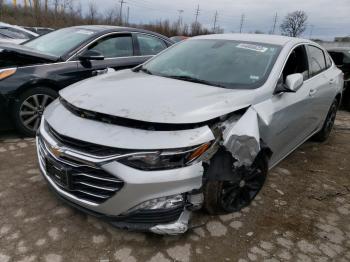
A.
pixel 222 197
pixel 29 108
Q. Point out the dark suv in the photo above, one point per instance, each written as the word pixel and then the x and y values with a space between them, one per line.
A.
pixel 341 57
pixel 31 74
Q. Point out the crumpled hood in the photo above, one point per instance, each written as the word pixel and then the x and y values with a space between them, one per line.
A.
pixel 139 96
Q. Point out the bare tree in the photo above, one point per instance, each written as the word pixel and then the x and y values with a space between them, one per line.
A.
pixel 92 13
pixel 294 24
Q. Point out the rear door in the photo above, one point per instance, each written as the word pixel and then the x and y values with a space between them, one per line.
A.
pixel 322 82
pixel 148 45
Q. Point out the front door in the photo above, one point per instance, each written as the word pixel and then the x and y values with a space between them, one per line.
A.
pixel 118 51
pixel 287 114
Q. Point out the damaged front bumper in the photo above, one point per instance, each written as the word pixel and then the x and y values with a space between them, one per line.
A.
pixel 128 198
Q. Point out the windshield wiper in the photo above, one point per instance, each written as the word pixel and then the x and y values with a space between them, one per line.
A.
pixel 143 69
pixel 195 80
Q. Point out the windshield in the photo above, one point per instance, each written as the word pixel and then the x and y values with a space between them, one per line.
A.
pixel 223 63
pixel 60 42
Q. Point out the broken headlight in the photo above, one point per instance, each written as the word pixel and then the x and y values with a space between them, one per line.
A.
pixel 165 159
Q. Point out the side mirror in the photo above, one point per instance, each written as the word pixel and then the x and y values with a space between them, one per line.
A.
pixel 293 83
pixel 91 55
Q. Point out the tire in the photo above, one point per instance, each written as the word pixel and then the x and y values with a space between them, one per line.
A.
pixel 222 197
pixel 27 110
pixel 326 130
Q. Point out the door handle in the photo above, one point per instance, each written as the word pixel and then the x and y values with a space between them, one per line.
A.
pixel 331 81
pixel 312 92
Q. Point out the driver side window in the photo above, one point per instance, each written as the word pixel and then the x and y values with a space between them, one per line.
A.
pixel 297 63
pixel 114 46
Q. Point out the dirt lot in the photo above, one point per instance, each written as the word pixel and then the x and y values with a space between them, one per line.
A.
pixel 302 214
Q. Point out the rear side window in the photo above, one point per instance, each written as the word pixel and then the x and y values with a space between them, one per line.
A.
pixel 317 62
pixel 328 61
pixel 150 45
pixel 114 46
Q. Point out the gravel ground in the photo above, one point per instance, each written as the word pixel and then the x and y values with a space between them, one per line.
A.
pixel 302 214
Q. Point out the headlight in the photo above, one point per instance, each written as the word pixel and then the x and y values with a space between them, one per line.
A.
pixel 5 73
pixel 166 159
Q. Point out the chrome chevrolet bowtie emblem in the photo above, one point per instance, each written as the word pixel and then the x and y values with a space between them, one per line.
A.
pixel 56 151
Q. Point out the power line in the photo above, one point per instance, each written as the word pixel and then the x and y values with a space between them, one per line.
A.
pixel 128 15
pixel 197 13
pixel 274 24
pixel 242 23
pixel 122 2
pixel 215 21
pixel 180 16
pixel 311 31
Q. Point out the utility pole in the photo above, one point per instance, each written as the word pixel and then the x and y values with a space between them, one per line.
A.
pixel 180 16
pixel 128 15
pixel 242 23
pixel 197 13
pixel 215 21
pixel 274 24
pixel 122 2
pixel 311 31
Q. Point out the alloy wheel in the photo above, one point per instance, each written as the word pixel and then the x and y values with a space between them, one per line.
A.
pixel 238 194
pixel 32 110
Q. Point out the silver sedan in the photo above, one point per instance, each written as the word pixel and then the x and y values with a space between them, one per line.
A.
pixel 197 126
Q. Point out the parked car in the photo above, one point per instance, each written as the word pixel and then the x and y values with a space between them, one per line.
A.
pixel 341 57
pixel 31 74
pixel 39 30
pixel 15 34
pixel 179 38
pixel 199 124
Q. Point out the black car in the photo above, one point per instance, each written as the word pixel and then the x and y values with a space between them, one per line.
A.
pixel 31 74
pixel 341 57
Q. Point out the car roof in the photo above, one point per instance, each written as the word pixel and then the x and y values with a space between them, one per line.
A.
pixel 260 38
pixel 341 49
pixel 110 28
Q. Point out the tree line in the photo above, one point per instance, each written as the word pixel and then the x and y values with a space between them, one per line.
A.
pixel 64 13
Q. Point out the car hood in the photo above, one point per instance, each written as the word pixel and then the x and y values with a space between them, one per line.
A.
pixel 149 98
pixel 20 55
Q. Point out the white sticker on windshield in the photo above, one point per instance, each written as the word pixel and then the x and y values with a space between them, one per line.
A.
pixel 85 32
pixel 257 48
pixel 254 77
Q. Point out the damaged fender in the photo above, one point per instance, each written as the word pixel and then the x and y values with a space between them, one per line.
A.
pixel 242 138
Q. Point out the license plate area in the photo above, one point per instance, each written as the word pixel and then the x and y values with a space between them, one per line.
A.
pixel 58 173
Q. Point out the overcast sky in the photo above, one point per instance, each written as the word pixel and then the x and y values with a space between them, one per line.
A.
pixel 327 18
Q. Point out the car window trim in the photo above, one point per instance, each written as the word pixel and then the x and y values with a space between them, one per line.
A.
pixel 290 51
pixel 324 57
pixel 102 36
pixel 150 35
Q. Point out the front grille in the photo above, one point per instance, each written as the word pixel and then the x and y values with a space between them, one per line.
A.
pixel 83 146
pixel 84 182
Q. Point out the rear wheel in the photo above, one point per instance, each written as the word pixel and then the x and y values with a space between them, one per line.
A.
pixel 230 196
pixel 324 133
pixel 29 108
